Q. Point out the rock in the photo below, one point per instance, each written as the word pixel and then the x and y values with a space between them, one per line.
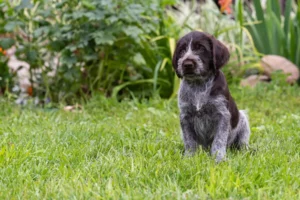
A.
pixel 252 80
pixel 74 108
pixel 271 63
pixel 22 70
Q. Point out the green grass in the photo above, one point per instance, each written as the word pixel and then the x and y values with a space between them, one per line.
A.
pixel 133 150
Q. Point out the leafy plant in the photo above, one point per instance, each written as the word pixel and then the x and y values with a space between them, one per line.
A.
pixel 274 34
pixel 97 45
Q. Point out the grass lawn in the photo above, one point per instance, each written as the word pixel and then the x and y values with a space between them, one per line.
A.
pixel 133 150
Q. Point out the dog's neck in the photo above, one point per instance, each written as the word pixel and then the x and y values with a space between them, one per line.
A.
pixel 195 81
pixel 196 86
pixel 199 81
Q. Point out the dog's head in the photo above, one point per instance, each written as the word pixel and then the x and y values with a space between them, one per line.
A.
pixel 199 55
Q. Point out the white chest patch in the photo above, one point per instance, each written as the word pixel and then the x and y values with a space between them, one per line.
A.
pixel 200 99
pixel 196 96
pixel 202 109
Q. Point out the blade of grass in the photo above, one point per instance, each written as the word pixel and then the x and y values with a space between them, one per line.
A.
pixel 287 12
pixel 293 45
pixel 155 75
pixel 297 24
pixel 240 16
pixel 252 28
pixel 172 44
pixel 165 61
pixel 275 6
pixel 278 36
pixel 286 27
pixel 270 29
pixel 239 52
pixel 258 10
pixel 175 86
pixel 252 42
pixel 297 53
pixel 261 29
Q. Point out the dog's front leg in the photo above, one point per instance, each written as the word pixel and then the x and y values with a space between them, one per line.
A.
pixel 218 148
pixel 188 134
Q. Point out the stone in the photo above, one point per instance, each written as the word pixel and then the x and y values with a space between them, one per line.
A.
pixel 253 80
pixel 22 70
pixel 73 108
pixel 271 63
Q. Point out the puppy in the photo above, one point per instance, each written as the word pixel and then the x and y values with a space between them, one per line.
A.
pixel 208 115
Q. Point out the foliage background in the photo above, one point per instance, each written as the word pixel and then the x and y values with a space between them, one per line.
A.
pixel 133 149
pixel 100 45
pixel 124 48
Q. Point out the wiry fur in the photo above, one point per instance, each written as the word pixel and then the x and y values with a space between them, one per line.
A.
pixel 208 114
pixel 241 133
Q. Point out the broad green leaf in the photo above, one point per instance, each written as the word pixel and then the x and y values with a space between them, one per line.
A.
pixel 88 4
pixel 6 43
pixel 24 4
pixel 12 25
pixel 132 31
pixel 40 31
pixel 102 37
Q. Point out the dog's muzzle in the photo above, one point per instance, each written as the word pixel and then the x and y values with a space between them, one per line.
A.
pixel 188 67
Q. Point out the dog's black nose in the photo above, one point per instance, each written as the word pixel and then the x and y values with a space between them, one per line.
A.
pixel 188 64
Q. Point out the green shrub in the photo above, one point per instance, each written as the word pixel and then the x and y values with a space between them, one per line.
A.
pixel 99 44
pixel 276 34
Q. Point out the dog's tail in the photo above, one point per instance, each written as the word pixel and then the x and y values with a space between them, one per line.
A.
pixel 244 113
pixel 245 118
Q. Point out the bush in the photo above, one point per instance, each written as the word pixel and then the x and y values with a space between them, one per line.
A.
pixel 274 34
pixel 97 45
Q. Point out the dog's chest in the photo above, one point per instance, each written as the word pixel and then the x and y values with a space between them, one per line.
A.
pixel 204 120
pixel 196 103
pixel 200 108
pixel 195 100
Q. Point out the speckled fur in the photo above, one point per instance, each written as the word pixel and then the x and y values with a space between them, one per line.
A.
pixel 208 114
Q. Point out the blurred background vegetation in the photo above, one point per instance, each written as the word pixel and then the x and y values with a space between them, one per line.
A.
pixel 122 49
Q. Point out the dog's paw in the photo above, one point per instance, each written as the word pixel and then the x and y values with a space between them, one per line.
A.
pixel 220 159
pixel 219 155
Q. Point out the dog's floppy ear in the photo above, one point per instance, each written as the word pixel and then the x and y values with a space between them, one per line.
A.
pixel 220 53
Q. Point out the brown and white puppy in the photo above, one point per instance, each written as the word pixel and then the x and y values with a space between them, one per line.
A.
pixel 208 115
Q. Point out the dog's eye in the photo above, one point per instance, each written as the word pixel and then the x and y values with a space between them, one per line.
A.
pixel 181 51
pixel 199 47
